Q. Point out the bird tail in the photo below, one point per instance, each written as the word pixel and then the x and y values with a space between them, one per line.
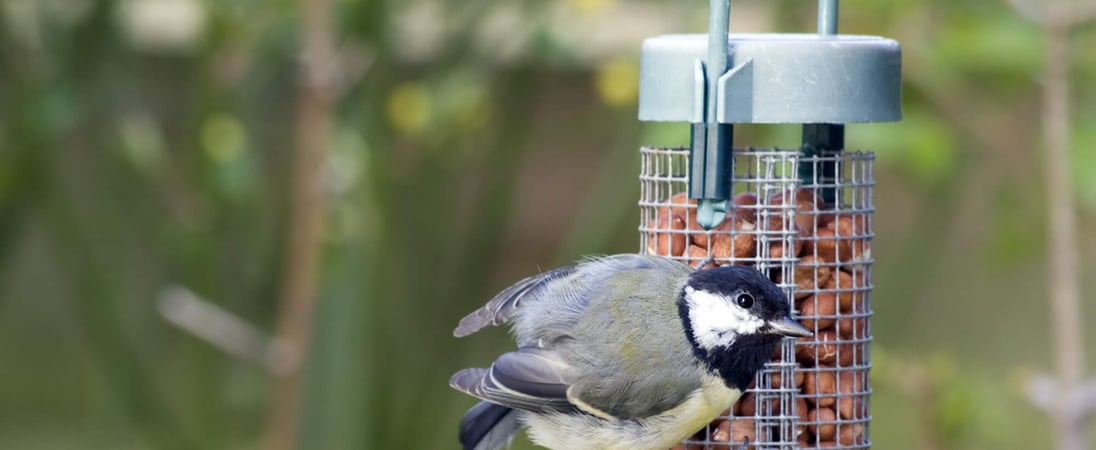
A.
pixel 488 426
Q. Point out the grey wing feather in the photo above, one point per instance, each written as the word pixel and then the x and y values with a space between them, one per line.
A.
pixel 530 379
pixel 499 310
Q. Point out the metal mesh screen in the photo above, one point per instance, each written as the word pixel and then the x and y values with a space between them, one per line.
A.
pixel 806 222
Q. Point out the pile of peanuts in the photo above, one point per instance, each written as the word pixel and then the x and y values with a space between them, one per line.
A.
pixel 832 250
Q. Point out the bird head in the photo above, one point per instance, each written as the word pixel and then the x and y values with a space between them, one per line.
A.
pixel 734 316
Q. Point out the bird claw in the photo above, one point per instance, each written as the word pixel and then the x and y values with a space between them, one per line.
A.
pixel 745 444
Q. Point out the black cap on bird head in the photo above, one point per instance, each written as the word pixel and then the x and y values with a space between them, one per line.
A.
pixel 734 317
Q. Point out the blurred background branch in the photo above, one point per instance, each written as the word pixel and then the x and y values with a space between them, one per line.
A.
pixel 1057 20
pixel 307 211
pixel 224 330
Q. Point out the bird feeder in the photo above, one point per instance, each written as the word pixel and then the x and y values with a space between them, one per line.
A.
pixel 803 216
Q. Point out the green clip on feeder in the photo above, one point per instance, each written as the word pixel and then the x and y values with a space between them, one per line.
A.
pixel 821 80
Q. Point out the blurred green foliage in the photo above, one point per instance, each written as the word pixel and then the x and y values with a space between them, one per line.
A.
pixel 147 143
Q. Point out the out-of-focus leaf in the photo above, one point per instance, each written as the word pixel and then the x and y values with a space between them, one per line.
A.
pixel 956 409
pixel 920 146
pixel 932 155
pixel 463 111
pixel 664 134
pixel 880 138
pixel 223 138
pixel 224 142
pixel 142 144
pixel 997 45
pixel 776 135
pixel 346 162
pixel 1016 231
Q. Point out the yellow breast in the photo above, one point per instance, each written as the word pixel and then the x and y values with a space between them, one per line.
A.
pixel 711 399
pixel 581 432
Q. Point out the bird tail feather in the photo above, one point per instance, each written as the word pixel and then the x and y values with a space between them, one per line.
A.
pixel 488 426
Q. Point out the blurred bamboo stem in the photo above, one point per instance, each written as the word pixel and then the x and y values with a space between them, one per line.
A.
pixel 306 218
pixel 1063 277
pixel 116 352
pixel 1069 410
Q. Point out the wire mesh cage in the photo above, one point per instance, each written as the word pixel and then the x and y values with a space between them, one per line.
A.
pixel 805 221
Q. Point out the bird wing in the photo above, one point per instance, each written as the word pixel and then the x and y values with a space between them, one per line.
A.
pixel 499 309
pixel 537 379
pixel 570 356
pixel 588 274
pixel 530 379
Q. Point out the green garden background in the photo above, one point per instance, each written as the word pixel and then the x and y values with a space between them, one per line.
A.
pixel 150 145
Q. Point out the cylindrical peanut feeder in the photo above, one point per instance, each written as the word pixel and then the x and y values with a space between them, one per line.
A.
pixel 802 216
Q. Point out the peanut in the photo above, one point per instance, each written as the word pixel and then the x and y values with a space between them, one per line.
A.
pixel 806 206
pixel 850 385
pixel 850 434
pixel 824 348
pixel 820 387
pixel 823 426
pixel 736 246
pixel 669 238
pixel 696 256
pixel 849 300
pixel 817 311
pixel 743 430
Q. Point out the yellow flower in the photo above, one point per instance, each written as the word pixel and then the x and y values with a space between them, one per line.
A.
pixel 617 82
pixel 409 107
pixel 590 7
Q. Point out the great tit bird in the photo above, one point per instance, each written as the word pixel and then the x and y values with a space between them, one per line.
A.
pixel 621 352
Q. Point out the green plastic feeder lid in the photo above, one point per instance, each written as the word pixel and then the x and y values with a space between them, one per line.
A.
pixel 774 78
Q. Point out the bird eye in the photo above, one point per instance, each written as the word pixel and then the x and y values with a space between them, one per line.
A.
pixel 744 300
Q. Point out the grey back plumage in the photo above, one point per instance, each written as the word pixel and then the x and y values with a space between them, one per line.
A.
pixel 499 310
pixel 588 335
pixel 621 337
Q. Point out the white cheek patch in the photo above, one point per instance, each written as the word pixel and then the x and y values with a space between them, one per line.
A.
pixel 716 320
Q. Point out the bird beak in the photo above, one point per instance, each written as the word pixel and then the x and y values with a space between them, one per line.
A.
pixel 788 327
